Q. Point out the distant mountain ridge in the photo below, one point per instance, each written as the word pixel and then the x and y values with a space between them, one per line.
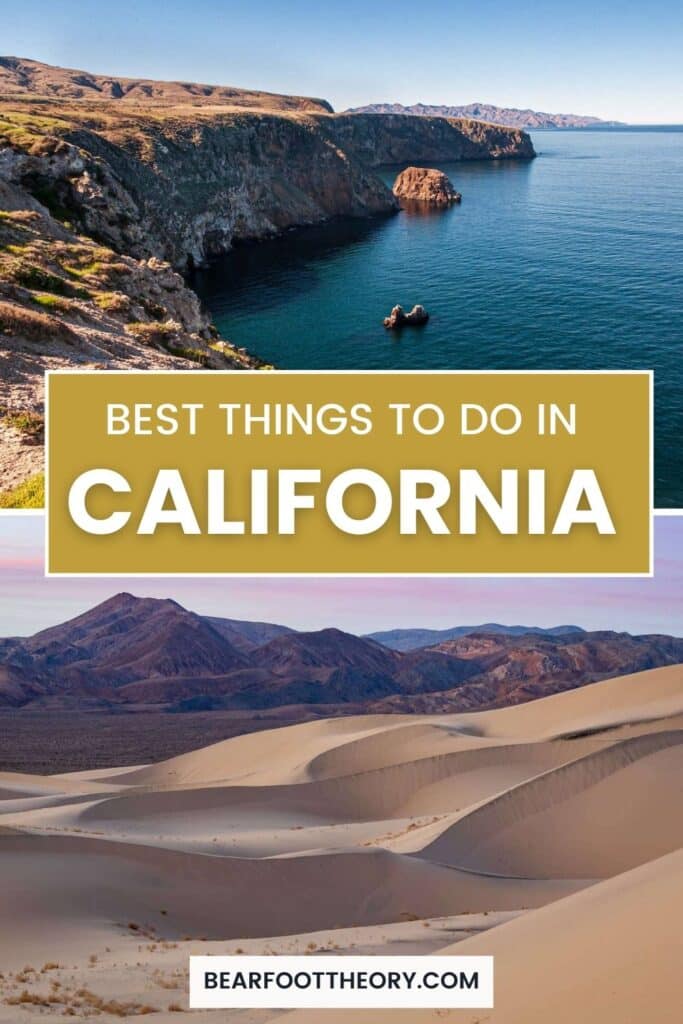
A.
pixel 128 653
pixel 511 117
pixel 411 639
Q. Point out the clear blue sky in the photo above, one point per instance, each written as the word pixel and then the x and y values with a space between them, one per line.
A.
pixel 29 602
pixel 616 59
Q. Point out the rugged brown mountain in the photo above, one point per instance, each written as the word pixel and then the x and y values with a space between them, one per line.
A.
pixel 120 641
pixel 514 669
pixel 411 639
pixel 128 652
pixel 511 116
pixel 247 636
pixel 21 77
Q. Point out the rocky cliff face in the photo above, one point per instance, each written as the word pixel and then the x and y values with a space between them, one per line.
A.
pixel 396 139
pixel 109 187
pixel 185 186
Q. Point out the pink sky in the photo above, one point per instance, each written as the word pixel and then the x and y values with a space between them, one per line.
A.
pixel 29 602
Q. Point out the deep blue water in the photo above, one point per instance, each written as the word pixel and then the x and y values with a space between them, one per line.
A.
pixel 573 260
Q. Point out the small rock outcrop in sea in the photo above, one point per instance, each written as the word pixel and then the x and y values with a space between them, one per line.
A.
pixel 426 185
pixel 399 318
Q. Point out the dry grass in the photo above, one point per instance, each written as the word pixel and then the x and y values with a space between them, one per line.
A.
pixel 26 998
pixel 32 325
pixel 19 216
pixel 82 1002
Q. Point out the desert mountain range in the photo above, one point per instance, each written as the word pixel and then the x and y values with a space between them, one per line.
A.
pixel 130 651
pixel 512 117
pixel 410 639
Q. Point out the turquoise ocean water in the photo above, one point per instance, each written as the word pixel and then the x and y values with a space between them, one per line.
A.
pixel 571 261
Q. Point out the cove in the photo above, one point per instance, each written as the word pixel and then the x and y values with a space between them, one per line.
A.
pixel 569 261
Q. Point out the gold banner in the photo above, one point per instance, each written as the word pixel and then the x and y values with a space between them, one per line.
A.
pixel 349 472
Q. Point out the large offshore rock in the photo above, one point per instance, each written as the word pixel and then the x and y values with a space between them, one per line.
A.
pixel 425 185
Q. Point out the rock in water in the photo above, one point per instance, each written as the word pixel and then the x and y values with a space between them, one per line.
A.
pixel 399 318
pixel 426 185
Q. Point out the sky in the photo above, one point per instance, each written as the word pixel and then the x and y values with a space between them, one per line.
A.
pixel 29 602
pixel 617 59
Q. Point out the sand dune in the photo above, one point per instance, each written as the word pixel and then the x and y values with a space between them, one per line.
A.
pixel 214 897
pixel 610 954
pixel 592 818
pixel 359 829
pixel 290 750
pixel 643 696
pixel 345 746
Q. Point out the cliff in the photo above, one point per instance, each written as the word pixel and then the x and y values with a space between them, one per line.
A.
pixel 395 139
pixel 109 187
pixel 184 186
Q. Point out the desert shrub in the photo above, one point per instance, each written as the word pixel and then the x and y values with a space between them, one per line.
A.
pixel 26 998
pixel 29 494
pixel 25 421
pixel 155 333
pixel 87 999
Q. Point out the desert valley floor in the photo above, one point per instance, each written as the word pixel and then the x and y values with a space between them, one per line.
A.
pixel 548 834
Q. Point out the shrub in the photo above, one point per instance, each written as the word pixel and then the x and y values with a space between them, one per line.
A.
pixel 29 494
pixel 26 422
pixel 27 998
pixel 196 355
pixel 53 302
pixel 153 334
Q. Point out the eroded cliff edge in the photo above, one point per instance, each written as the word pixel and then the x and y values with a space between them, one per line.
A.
pixel 185 185
pixel 111 189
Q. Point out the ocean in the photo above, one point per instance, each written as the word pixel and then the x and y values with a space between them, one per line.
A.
pixel 570 261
